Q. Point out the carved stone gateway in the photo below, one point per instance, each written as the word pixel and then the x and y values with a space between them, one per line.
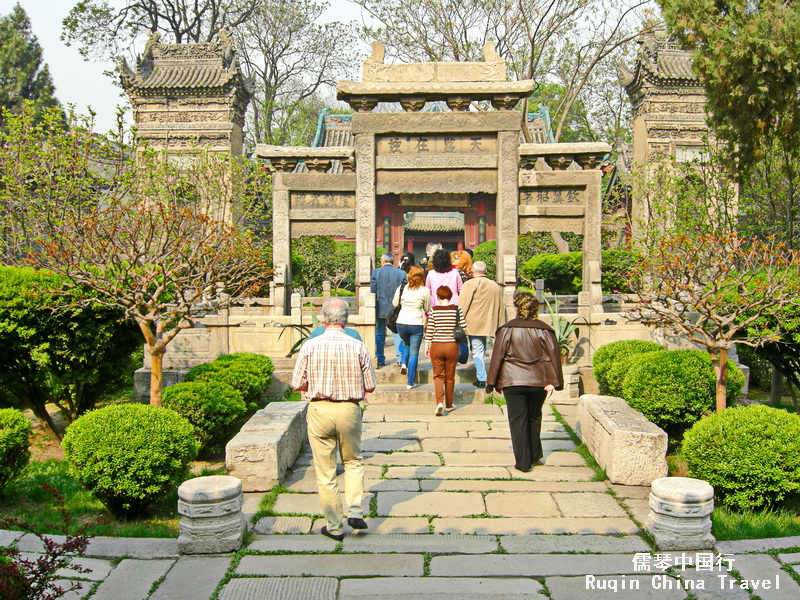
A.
pixel 464 160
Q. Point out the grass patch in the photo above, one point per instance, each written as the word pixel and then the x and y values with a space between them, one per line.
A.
pixel 494 398
pixel 24 499
pixel 599 472
pixel 267 504
pixel 768 523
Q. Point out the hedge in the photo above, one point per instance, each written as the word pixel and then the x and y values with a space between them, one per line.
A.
pixel 15 430
pixel 607 355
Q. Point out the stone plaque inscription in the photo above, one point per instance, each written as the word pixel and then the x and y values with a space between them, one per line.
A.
pixel 556 196
pixel 422 144
pixel 323 200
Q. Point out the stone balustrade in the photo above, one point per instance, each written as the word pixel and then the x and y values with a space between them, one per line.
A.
pixel 267 445
pixel 318 160
pixel 560 156
pixel 631 449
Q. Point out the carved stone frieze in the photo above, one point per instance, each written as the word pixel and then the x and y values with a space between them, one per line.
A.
pixel 442 181
pixel 559 162
pixel 318 165
pixel 437 161
pixel 345 229
pixel 506 102
pixel 363 104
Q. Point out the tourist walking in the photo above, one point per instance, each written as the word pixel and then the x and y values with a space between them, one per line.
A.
pixel 443 273
pixel 414 303
pixel 462 262
pixel 481 303
pixel 383 283
pixel 441 347
pixel 407 261
pixel 335 372
pixel 525 366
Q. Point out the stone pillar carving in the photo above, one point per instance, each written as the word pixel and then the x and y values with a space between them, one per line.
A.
pixel 281 244
pixel 211 515
pixel 680 513
pixel 507 207
pixel 365 212
pixel 592 293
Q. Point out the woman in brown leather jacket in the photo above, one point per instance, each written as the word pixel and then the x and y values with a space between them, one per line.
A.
pixel 525 366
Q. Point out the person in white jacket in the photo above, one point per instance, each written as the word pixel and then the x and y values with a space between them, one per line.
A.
pixel 414 300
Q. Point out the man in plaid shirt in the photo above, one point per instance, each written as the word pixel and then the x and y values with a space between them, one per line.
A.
pixel 335 372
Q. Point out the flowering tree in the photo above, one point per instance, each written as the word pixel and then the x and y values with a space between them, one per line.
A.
pixel 162 246
pixel 161 237
pixel 698 276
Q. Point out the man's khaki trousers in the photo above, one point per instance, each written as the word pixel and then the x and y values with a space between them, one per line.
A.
pixel 331 424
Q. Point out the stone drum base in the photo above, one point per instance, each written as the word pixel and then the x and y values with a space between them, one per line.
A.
pixel 211 515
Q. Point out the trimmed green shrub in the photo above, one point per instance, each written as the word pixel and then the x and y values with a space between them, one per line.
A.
pixel 607 355
pixel 616 264
pixel 674 389
pixel 129 455
pixel 541 242
pixel 561 272
pixel 248 373
pixel 750 454
pixel 619 370
pixel 211 407
pixel 15 429
pixel 487 252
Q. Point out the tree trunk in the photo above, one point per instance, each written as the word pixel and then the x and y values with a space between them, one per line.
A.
pixel 156 375
pixel 776 389
pixel 721 370
pixel 561 244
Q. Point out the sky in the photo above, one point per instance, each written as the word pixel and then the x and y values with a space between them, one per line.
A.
pixel 81 83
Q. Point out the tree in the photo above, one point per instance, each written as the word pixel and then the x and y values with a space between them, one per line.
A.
pixel 746 54
pixel 55 349
pixel 292 60
pixel 697 276
pixel 158 237
pixel 162 247
pixel 32 150
pixel 105 31
pixel 23 73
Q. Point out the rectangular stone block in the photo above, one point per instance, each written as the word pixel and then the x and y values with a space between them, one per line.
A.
pixel 631 449
pixel 523 525
pixel 433 543
pixel 436 588
pixel 262 454
pixel 333 565
pixel 192 577
pixel 132 579
pixel 280 588
pixel 413 504
pixel 572 544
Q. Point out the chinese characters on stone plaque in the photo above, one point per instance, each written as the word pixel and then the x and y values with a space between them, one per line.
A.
pixel 323 200
pixel 423 144
pixel 562 196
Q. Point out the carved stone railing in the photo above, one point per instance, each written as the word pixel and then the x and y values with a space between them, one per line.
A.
pixel 318 160
pixel 560 156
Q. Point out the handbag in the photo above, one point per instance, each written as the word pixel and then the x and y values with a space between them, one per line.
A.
pixel 459 335
pixel 463 353
pixel 391 318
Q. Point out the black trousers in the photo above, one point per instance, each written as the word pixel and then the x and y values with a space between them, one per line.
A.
pixel 524 407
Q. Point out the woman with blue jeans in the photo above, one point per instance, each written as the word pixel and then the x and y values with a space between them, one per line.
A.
pixel 414 300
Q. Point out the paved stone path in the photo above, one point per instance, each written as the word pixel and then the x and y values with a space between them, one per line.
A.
pixel 449 517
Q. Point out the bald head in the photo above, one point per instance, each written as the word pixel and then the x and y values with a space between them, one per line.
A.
pixel 335 312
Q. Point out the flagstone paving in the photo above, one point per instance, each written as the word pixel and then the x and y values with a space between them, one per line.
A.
pixel 449 517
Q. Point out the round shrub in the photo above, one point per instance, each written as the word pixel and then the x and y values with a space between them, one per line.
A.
pixel 129 455
pixel 618 370
pixel 248 373
pixel 607 355
pixel 211 407
pixel 615 267
pixel 676 388
pixel 750 454
pixel 487 252
pixel 15 429
pixel 562 273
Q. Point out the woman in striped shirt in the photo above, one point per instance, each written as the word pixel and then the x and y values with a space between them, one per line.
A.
pixel 441 347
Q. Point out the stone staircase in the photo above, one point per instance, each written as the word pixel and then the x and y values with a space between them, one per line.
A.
pixel 392 385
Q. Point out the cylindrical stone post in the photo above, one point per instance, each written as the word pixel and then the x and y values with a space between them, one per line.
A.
pixel 680 513
pixel 211 515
